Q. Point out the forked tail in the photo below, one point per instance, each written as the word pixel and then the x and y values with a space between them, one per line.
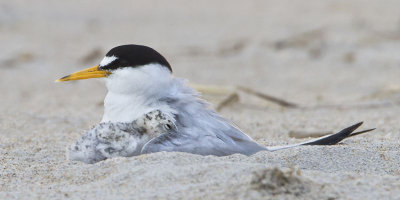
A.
pixel 328 139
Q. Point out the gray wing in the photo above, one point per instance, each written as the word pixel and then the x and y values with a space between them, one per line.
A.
pixel 204 135
pixel 200 130
pixel 206 145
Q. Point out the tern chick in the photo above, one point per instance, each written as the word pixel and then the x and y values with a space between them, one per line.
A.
pixel 110 139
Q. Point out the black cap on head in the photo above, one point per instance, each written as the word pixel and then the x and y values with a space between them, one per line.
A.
pixel 132 55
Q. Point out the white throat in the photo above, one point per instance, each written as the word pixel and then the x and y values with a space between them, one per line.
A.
pixel 133 92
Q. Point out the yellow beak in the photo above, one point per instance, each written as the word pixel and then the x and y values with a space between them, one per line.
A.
pixel 92 72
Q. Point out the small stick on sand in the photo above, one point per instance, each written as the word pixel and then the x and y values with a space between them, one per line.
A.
pixel 234 97
pixel 276 100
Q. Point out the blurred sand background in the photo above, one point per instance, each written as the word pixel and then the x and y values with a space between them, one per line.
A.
pixel 338 59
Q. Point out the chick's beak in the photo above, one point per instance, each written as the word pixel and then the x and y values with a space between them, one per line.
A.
pixel 92 72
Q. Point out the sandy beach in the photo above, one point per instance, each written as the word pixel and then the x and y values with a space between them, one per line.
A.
pixel 338 60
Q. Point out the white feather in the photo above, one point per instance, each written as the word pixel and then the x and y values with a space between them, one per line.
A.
pixel 107 60
pixel 133 92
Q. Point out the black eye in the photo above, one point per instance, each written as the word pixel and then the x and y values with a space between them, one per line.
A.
pixel 122 63
pixel 114 63
pixel 167 126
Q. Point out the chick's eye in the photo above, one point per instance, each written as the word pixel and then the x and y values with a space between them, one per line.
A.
pixel 167 126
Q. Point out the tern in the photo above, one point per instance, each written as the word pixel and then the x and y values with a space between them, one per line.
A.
pixel 140 81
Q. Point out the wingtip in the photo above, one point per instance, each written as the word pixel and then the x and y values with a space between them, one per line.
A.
pixel 351 128
pixel 339 136
pixel 358 124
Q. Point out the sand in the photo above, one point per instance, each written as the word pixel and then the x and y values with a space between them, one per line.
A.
pixel 337 59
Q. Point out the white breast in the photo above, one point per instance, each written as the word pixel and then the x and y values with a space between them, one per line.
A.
pixel 124 108
pixel 133 92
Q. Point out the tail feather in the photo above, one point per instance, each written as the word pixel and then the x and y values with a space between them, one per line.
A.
pixel 328 139
pixel 361 132
pixel 335 138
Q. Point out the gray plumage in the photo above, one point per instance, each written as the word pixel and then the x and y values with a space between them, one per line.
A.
pixel 199 130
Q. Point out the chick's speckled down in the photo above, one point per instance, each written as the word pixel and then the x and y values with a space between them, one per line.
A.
pixel 108 140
